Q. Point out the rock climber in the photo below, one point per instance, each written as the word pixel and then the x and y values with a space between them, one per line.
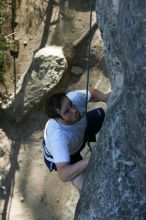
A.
pixel 67 131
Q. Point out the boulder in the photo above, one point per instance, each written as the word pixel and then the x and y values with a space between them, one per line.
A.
pixel 45 73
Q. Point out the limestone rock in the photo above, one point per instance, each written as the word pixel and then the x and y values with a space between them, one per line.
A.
pixel 76 70
pixel 115 186
pixel 44 74
pixel 5 146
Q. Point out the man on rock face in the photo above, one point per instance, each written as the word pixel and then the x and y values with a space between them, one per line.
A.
pixel 67 131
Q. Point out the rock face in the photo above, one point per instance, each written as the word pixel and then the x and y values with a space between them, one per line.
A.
pixel 115 184
pixel 5 148
pixel 47 69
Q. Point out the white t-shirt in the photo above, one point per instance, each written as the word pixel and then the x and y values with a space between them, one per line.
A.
pixel 63 140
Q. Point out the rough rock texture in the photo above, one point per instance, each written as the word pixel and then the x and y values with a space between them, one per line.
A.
pixel 45 73
pixel 5 148
pixel 115 185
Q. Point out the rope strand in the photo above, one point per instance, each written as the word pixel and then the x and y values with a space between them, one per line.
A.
pixel 88 67
pixel 89 54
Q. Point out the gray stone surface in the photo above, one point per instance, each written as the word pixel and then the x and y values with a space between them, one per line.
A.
pixel 115 185
pixel 5 148
pixel 42 77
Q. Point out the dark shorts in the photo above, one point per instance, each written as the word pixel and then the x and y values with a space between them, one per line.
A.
pixel 51 165
pixel 94 122
pixel 95 119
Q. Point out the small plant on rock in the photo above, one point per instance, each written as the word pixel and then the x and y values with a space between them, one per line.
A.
pixel 4 45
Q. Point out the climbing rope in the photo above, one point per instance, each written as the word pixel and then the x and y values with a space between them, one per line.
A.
pixel 88 64
pixel 89 53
